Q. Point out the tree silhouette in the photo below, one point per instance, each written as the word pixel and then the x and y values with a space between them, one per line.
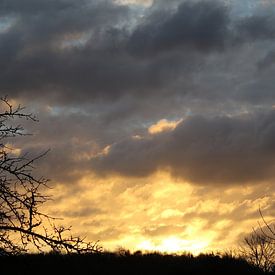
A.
pixel 259 247
pixel 23 227
pixel 259 251
pixel 267 229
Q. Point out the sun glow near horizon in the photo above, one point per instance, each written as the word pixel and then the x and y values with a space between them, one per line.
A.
pixel 157 213
pixel 175 244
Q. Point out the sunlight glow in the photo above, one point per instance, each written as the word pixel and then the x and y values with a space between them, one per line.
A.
pixel 175 245
pixel 156 213
pixel 10 148
pixel 163 125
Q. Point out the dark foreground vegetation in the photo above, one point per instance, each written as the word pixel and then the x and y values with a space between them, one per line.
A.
pixel 125 263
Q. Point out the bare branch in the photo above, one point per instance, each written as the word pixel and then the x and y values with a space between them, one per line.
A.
pixel 21 198
pixel 259 247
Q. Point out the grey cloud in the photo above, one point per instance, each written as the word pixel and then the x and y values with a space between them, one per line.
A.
pixel 198 25
pixel 30 43
pixel 257 27
pixel 176 43
pixel 201 150
pixel 33 6
pixel 267 61
pixel 185 69
pixel 40 25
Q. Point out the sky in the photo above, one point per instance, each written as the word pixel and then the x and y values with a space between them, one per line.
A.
pixel 159 115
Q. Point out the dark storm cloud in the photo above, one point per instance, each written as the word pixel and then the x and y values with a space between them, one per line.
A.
pixel 79 51
pixel 33 6
pixel 267 61
pixel 31 45
pixel 53 17
pixel 201 150
pixel 257 27
pixel 198 25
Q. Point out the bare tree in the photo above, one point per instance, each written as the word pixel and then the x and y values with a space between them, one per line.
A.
pixel 22 225
pixel 267 229
pixel 259 251
pixel 259 247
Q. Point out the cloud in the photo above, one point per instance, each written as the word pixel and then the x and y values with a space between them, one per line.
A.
pixel 107 71
pixel 201 26
pixel 160 230
pixel 79 212
pixel 257 27
pixel 224 150
pixel 94 51
pixel 33 45
pixel 162 126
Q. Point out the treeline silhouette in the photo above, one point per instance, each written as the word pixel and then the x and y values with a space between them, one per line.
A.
pixel 124 262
